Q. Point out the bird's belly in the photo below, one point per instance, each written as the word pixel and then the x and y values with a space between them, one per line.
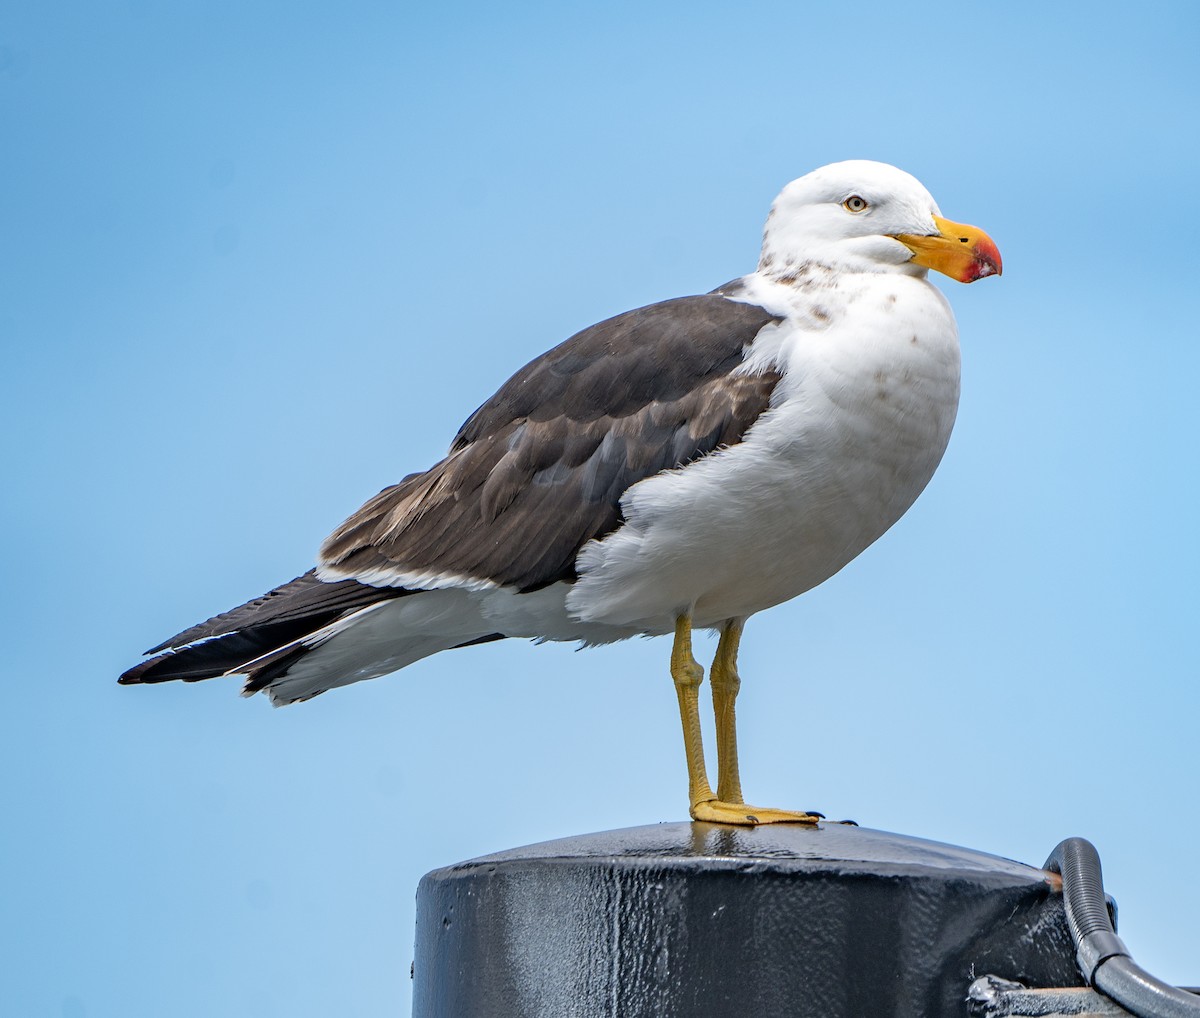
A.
pixel 855 439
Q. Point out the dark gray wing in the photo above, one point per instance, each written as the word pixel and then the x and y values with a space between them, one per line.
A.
pixel 275 619
pixel 299 600
pixel 539 470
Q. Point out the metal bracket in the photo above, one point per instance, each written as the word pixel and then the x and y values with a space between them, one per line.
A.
pixel 993 997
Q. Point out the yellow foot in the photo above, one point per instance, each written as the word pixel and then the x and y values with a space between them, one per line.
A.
pixel 714 811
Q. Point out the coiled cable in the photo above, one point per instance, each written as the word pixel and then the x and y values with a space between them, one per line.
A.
pixel 1103 957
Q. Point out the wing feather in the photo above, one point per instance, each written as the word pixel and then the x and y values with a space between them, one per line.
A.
pixel 280 616
pixel 539 470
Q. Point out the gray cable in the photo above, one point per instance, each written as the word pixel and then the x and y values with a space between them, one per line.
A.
pixel 1103 958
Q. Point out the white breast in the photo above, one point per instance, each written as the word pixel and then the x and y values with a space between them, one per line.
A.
pixel 860 420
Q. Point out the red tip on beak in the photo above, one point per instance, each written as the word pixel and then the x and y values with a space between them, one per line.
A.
pixel 987 259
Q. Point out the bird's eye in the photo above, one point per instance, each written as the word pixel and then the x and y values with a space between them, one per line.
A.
pixel 855 204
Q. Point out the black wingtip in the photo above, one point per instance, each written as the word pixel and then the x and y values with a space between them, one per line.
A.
pixel 171 666
pixel 138 674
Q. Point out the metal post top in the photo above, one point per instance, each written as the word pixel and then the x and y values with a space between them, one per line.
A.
pixel 777 848
pixel 695 920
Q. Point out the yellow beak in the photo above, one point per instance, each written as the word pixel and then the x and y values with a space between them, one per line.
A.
pixel 964 253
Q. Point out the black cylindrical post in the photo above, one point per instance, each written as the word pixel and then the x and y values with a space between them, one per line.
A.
pixel 708 921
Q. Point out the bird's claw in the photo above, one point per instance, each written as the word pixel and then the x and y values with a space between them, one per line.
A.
pixel 714 811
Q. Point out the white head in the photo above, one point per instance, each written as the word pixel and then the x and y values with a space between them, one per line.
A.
pixel 870 217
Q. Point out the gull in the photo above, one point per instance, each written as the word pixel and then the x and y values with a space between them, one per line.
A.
pixel 684 465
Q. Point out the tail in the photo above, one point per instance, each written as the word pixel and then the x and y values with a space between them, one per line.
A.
pixel 295 641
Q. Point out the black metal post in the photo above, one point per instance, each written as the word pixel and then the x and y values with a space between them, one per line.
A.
pixel 701 920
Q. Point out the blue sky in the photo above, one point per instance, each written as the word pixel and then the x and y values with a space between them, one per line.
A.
pixel 260 259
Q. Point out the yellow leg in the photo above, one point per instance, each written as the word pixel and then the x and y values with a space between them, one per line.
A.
pixel 688 675
pixel 727 806
pixel 725 685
